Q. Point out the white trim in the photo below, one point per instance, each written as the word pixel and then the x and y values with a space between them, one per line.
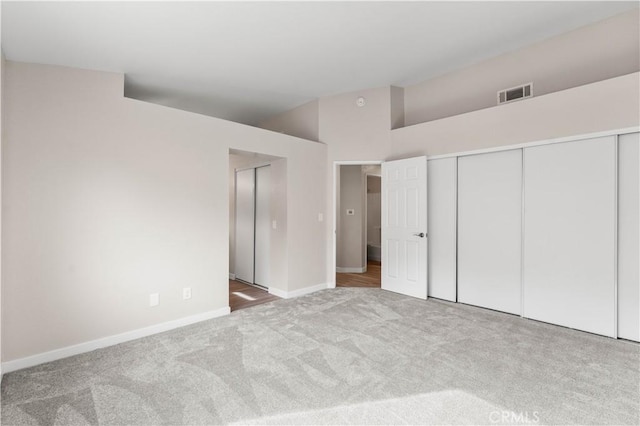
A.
pixel 522 219
pixel 358 163
pixel 575 138
pixel 341 270
pixel 256 166
pixel 232 276
pixel 615 234
pixel 92 345
pixel 300 292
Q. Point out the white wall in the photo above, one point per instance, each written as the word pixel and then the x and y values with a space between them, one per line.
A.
pixel 107 199
pixel 301 122
pixel 605 105
pixel 352 133
pixel 595 52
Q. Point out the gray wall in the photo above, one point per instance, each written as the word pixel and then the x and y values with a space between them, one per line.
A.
pixel 351 247
pixel 397 107
pixel 374 211
pixel 603 50
pixel 301 122
pixel 109 199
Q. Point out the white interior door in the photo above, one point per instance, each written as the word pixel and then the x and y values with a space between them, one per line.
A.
pixel 245 224
pixel 404 226
pixel 262 226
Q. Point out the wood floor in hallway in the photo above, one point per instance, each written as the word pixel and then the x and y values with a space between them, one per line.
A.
pixel 242 295
pixel 371 278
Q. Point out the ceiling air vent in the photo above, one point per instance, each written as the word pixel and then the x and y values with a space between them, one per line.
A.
pixel 515 93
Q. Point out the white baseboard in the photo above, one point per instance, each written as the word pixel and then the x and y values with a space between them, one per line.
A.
pixel 30 361
pixel 299 292
pixel 232 276
pixel 350 270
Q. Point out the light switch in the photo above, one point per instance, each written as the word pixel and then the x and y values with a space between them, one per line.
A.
pixel 154 299
pixel 274 224
pixel 320 217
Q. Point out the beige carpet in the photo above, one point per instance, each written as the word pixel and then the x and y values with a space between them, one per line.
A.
pixel 342 356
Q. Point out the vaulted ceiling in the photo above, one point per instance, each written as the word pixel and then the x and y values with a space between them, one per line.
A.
pixel 246 61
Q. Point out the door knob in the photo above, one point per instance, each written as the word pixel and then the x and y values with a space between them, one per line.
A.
pixel 421 235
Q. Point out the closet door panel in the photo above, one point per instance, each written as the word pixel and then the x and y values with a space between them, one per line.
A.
pixel 442 200
pixel 245 220
pixel 628 236
pixel 263 226
pixel 490 230
pixel 569 234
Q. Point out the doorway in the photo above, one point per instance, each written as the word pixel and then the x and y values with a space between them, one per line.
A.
pixel 403 225
pixel 358 225
pixel 250 222
pixel 253 223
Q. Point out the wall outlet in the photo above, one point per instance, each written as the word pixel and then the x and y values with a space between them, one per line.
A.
pixel 154 299
pixel 351 212
pixel 186 293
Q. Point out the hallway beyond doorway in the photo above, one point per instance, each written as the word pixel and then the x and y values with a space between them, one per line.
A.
pixel 371 278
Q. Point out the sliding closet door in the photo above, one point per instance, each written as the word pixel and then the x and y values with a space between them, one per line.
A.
pixel 442 199
pixel 490 230
pixel 628 235
pixel 245 220
pixel 569 234
pixel 263 226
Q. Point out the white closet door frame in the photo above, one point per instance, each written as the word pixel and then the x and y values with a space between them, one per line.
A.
pixel 404 226
pixel 245 224
pixel 262 256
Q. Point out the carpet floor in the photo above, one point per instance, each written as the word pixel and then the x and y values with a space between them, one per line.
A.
pixel 340 356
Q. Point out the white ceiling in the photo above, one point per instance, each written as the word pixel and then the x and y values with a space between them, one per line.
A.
pixel 245 61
